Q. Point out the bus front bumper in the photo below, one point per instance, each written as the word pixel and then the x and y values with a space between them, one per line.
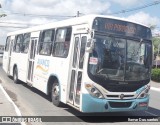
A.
pixel 91 104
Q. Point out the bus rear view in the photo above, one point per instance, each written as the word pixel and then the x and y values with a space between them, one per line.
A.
pixel 119 67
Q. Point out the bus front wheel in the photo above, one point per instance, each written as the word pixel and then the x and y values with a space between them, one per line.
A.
pixel 15 75
pixel 55 94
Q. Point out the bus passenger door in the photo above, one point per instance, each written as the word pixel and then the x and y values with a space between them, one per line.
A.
pixel 31 59
pixel 7 55
pixel 10 53
pixel 77 69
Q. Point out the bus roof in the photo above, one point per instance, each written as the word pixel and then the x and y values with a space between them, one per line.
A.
pixel 87 19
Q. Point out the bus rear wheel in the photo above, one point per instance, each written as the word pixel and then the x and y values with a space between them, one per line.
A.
pixel 15 75
pixel 55 94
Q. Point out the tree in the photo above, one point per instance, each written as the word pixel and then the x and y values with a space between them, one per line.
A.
pixel 156 42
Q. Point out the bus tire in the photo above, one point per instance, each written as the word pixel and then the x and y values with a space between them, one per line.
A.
pixel 15 75
pixel 55 94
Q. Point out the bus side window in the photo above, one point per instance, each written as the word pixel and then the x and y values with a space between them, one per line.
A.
pixel 46 41
pixel 7 43
pixel 18 43
pixel 82 51
pixel 62 42
pixel 25 44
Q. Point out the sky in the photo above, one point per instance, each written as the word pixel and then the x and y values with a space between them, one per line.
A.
pixel 27 13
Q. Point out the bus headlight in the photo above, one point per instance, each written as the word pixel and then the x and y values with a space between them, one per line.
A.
pixel 93 91
pixel 144 93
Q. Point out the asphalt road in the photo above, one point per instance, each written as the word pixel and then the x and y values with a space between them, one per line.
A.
pixel 32 102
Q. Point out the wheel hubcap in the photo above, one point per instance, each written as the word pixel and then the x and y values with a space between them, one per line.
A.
pixel 55 92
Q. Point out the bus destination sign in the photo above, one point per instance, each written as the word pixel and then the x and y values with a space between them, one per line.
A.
pixel 114 26
pixel 120 28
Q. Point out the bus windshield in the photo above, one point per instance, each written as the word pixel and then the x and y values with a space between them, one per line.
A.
pixel 120 59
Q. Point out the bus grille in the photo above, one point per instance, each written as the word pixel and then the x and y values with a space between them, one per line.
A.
pixel 120 104
pixel 118 96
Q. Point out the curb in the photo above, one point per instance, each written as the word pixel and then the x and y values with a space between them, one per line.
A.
pixel 10 100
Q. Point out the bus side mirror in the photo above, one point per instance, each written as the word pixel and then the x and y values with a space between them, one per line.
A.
pixel 90 45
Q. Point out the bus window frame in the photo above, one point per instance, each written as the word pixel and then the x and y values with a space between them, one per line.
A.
pixel 26 43
pixel 41 41
pixel 69 31
pixel 7 43
pixel 20 44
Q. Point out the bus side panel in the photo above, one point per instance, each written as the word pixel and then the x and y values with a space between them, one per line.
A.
pixel 46 66
pixel 62 72
pixel 41 72
pixel 20 60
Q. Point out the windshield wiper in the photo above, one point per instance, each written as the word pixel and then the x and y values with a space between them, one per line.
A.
pixel 105 76
pixel 100 71
pixel 102 75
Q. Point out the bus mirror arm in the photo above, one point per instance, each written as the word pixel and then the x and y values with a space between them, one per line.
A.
pixel 90 45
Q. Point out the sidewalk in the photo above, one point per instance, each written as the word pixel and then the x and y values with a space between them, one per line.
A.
pixel 155 84
pixel 6 106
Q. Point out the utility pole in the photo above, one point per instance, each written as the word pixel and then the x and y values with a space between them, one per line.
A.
pixel 78 13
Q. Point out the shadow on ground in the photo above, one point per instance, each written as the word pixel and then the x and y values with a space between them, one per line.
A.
pixel 98 117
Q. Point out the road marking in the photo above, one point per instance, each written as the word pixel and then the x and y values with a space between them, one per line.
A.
pixel 155 89
pixel 15 107
pixel 151 113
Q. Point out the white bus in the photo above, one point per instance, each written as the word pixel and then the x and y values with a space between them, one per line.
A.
pixel 93 63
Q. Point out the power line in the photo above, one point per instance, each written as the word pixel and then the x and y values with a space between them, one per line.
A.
pixel 137 8
pixel 37 15
pixel 13 27
pixel 78 13
pixel 18 23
